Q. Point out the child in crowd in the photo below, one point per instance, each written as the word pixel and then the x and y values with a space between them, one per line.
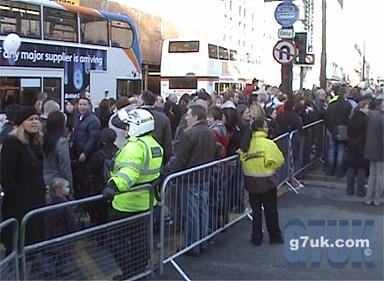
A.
pixel 58 223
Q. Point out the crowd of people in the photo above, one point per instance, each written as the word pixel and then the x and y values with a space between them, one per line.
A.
pixel 60 155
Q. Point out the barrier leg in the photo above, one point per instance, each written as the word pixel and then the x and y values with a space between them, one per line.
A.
pixel 291 187
pixel 180 270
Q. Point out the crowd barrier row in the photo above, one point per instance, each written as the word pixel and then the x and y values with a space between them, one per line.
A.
pixel 196 204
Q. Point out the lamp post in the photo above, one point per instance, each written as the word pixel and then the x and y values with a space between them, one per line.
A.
pixel 323 66
pixel 364 60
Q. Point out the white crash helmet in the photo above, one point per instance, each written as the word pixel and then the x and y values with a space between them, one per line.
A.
pixel 140 121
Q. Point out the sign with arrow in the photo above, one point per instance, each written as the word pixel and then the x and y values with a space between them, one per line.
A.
pixel 285 51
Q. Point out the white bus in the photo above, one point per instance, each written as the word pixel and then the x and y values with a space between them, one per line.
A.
pixel 189 65
pixel 65 50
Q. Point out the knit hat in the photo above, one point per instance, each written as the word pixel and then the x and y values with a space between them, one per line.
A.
pixel 24 112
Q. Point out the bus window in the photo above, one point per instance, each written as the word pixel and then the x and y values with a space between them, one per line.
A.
pixel 93 29
pixel 183 47
pixel 233 55
pixel 122 34
pixel 127 87
pixel 21 18
pixel 223 53
pixel 183 83
pixel 60 25
pixel 212 51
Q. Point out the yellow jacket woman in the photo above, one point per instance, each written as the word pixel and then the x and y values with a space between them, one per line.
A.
pixel 261 158
pixel 260 162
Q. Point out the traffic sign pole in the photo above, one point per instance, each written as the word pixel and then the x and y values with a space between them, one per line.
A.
pixel 286 78
pixel 285 51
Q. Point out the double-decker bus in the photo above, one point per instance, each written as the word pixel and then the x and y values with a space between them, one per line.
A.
pixel 188 65
pixel 65 50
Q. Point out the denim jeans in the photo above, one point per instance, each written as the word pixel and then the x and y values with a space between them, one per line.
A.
pixel 196 212
pixel 351 175
pixel 335 156
pixel 375 181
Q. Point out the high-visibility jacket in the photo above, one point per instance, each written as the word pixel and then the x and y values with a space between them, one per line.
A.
pixel 137 162
pixel 263 157
pixel 335 98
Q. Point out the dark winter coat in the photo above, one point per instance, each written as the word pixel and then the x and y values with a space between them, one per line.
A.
pixel 23 184
pixel 357 132
pixel 374 145
pixel 289 121
pixel 59 221
pixel 86 134
pixel 337 113
pixel 197 146
pixel 162 132
pixel 96 166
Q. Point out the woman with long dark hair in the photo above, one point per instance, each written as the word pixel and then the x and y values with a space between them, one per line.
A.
pixel 261 157
pixel 104 113
pixel 57 161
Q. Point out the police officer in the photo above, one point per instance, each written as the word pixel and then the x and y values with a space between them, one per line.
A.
pixel 137 162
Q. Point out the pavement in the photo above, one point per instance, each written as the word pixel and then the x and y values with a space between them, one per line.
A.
pixel 230 255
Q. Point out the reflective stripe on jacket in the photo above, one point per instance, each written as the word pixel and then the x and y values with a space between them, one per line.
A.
pixel 137 162
pixel 263 157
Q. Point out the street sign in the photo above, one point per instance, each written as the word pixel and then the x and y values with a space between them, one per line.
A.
pixel 286 33
pixel 286 14
pixel 284 51
pixel 309 58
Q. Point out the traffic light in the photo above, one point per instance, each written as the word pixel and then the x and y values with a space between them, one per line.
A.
pixel 301 44
pixel 309 59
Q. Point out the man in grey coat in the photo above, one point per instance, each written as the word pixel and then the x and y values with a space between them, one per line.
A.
pixel 374 152
pixel 197 146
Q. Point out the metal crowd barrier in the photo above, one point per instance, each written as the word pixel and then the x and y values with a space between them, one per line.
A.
pixel 200 202
pixel 283 142
pixel 196 204
pixel 307 147
pixel 9 263
pixel 97 252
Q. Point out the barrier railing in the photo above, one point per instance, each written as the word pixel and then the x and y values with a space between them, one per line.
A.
pixel 200 202
pixel 118 247
pixel 307 147
pixel 283 142
pixel 196 204
pixel 9 262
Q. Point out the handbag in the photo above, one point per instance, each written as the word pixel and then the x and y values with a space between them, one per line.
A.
pixel 340 133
